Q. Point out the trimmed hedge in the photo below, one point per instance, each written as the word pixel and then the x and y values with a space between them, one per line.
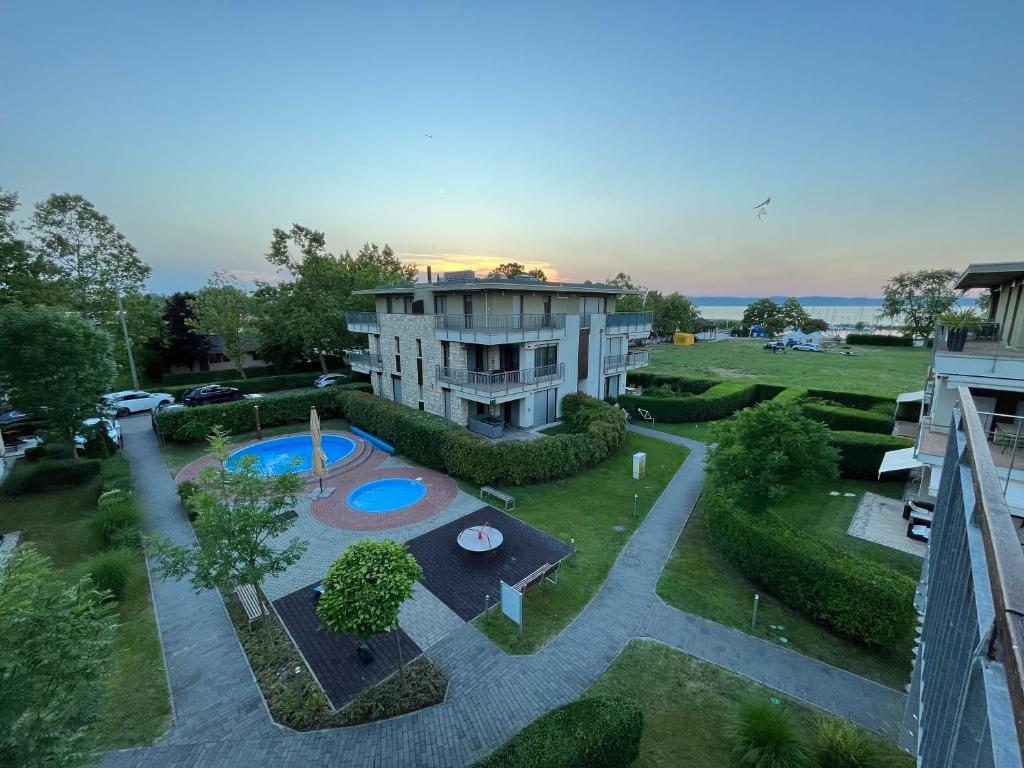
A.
pixel 681 384
pixel 46 474
pixel 719 401
pixel 857 598
pixel 592 732
pixel 861 452
pixel 194 424
pixel 840 417
pixel 198 378
pixel 870 339
pixel 856 400
pixel 255 385
pixel 791 395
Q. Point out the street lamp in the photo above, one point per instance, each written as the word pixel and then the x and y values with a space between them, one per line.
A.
pixel 127 341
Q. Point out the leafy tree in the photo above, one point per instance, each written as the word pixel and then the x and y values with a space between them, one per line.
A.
pixel 919 298
pixel 239 512
pixel 984 303
pixel 57 639
pixel 89 254
pixel 25 276
pixel 144 316
pixel 630 303
pixel 365 587
pixel 766 313
pixel 178 344
pixel 223 309
pixel 793 314
pixel 514 269
pixel 814 324
pixel 674 312
pixel 54 362
pixel 765 450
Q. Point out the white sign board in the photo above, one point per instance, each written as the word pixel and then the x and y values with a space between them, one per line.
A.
pixel 512 603
pixel 639 465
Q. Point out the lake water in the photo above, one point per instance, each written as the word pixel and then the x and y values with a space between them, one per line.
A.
pixel 830 314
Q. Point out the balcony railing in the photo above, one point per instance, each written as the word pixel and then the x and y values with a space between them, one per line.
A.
pixel 629 321
pixel 493 329
pixel 502 381
pixel 366 322
pixel 629 360
pixel 966 702
pixel 365 360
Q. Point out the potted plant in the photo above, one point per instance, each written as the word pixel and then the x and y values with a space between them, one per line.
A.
pixel 957 322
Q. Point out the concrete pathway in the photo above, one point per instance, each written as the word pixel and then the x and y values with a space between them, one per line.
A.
pixel 491 695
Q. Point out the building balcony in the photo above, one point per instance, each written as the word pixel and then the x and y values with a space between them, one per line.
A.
pixel 498 329
pixel 362 322
pixel 636 324
pixel 626 362
pixel 504 385
pixel 364 362
pixel 976 351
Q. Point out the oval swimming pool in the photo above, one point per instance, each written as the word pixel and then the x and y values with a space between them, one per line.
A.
pixel 273 457
pixel 386 495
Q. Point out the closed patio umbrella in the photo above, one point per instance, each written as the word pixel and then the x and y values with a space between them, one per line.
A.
pixel 319 457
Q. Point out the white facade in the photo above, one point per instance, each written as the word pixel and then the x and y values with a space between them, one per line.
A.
pixel 491 354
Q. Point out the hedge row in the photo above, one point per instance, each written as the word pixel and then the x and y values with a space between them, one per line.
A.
pixel 198 378
pixel 861 452
pixel 857 598
pixel 47 474
pixel 840 417
pixel 871 339
pixel 719 401
pixel 194 424
pixel 597 430
pixel 250 386
pixel 791 395
pixel 592 732
pixel 681 384
pixel 856 399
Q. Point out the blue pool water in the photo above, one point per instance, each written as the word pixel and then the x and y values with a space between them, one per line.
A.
pixel 386 495
pixel 276 456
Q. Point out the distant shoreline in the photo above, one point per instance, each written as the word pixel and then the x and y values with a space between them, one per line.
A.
pixel 825 301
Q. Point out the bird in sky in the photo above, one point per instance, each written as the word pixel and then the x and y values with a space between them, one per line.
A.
pixel 429 135
pixel 762 209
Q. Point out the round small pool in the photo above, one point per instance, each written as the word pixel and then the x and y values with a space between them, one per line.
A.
pixel 274 457
pixel 386 495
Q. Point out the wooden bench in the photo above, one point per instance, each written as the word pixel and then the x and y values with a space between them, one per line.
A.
pixel 546 571
pixel 254 609
pixel 509 501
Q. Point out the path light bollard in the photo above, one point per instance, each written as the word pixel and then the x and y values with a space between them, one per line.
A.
pixel 572 543
pixel 487 605
pixel 753 619
pixel 663 474
pixel 256 417
pixel 636 497
pixel 298 683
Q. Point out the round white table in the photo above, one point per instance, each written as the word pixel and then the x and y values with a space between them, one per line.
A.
pixel 480 538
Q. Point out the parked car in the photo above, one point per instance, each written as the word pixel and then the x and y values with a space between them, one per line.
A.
pixel 211 393
pixel 164 408
pixel 112 427
pixel 328 379
pixel 774 346
pixel 133 401
pixel 807 348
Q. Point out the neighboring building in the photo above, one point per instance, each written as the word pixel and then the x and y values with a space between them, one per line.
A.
pixel 988 359
pixel 965 704
pixel 494 353
pixel 799 337
pixel 216 360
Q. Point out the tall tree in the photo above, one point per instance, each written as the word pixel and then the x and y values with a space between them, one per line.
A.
pixel 766 313
pixel 25 276
pixel 628 303
pixel 144 317
pixel 224 310
pixel 87 251
pixel 793 313
pixel 515 269
pixel 674 313
pixel 919 298
pixel 57 639
pixel 55 362
pixel 178 344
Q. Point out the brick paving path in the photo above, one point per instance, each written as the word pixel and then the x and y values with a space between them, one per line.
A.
pixel 491 695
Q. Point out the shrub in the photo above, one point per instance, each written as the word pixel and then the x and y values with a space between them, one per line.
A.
pixel 186 491
pixel 110 571
pixel 592 732
pixel 763 736
pixel 870 339
pixel 253 385
pixel 35 453
pixel 717 402
pixel 48 474
pixel 909 412
pixel 116 473
pixel 680 384
pixel 116 524
pixel 791 395
pixel 860 453
pixel 840 744
pixel 198 378
pixel 856 399
pixel 841 417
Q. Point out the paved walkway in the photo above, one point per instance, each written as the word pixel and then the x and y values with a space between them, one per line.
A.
pixel 491 695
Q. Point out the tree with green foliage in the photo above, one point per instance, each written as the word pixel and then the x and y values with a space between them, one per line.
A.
pixel 672 313
pixel 793 314
pixel 365 587
pixel 223 309
pixel 239 512
pixel 765 450
pixel 920 298
pixel 57 639
pixel 92 258
pixel 178 344
pixel 25 276
pixel 54 362
pixel 628 303
pixel 515 269
pixel 767 314
pixel 814 324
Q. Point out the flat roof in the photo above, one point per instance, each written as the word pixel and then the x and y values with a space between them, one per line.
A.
pixel 493 284
pixel 990 275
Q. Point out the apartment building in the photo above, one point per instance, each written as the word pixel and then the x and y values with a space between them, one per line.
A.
pixel 493 354
pixel 988 359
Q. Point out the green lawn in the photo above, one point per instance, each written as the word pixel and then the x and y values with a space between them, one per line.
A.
pixel 698 580
pixel 178 455
pixel 138 710
pixel 695 430
pixel 878 370
pixel 687 704
pixel 584 508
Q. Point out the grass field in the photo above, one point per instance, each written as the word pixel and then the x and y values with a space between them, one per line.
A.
pixel 876 370
pixel 694 430
pixel 698 580
pixel 687 705
pixel 584 508
pixel 57 523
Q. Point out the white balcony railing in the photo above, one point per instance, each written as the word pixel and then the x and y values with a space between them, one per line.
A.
pixel 362 322
pixel 636 322
pixel 501 382
pixel 367 361
pixel 499 328
pixel 629 360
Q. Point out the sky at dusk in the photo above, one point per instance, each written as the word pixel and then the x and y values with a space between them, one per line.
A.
pixel 584 138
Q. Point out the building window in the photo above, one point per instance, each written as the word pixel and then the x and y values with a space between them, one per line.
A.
pixel 390 305
pixel 421 405
pixel 545 359
pixel 419 348
pixel 380 383
pixel 440 305
pixel 419 371
pixel 407 305
pixel 398 354
pixel 445 354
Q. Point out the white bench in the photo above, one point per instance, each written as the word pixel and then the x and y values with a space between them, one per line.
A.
pixel 508 501
pixel 547 572
pixel 254 609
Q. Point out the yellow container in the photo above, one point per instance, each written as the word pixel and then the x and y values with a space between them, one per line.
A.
pixel 681 339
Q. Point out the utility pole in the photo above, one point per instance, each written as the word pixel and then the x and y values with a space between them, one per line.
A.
pixel 127 341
